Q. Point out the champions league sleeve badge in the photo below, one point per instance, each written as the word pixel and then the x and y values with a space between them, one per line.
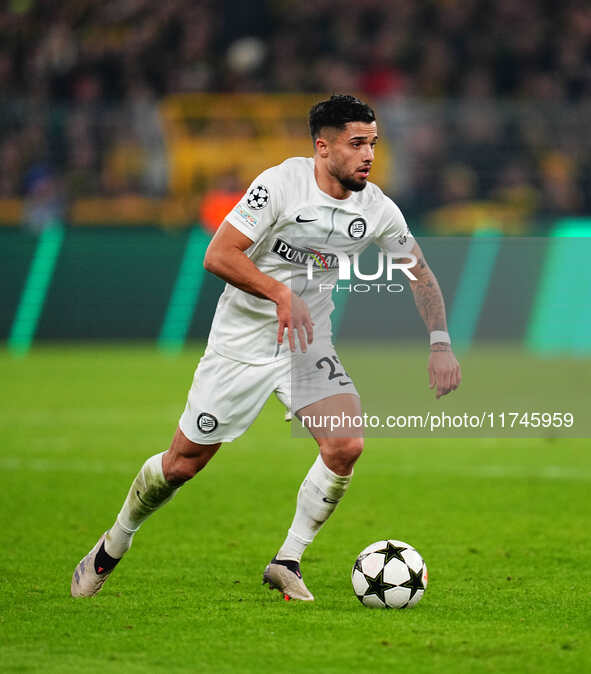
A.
pixel 257 197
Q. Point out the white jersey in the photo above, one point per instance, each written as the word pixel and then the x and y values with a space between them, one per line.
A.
pixel 290 221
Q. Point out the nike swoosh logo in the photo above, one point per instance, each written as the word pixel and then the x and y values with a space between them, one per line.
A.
pixel 140 498
pixel 300 219
pixel 329 500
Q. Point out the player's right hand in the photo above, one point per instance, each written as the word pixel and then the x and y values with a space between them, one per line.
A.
pixel 293 314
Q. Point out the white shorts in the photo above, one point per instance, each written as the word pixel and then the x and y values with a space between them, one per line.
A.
pixel 227 395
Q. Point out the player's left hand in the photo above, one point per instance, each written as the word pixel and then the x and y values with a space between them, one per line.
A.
pixel 444 370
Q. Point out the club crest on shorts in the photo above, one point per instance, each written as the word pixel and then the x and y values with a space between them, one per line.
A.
pixel 206 422
pixel 357 228
pixel 257 197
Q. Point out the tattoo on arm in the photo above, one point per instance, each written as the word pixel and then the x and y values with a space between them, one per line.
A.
pixel 428 297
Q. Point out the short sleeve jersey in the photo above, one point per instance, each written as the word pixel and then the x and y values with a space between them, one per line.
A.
pixel 290 221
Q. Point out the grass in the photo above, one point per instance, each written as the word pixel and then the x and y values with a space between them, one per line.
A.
pixel 502 524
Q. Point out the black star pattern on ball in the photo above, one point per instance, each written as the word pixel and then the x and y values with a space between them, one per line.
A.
pixel 377 586
pixel 414 583
pixel 358 562
pixel 392 552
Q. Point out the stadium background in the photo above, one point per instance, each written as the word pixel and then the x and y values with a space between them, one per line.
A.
pixel 127 129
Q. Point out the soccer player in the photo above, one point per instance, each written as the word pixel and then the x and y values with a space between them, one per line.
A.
pixel 271 333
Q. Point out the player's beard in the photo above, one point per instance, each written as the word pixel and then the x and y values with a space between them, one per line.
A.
pixel 350 183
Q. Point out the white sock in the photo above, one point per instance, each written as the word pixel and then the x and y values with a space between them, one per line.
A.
pixel 148 492
pixel 319 495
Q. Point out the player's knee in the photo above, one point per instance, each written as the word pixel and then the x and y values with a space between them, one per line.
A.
pixel 181 469
pixel 340 454
pixel 185 458
pixel 351 448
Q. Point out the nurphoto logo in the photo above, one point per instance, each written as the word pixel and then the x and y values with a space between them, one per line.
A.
pixel 389 262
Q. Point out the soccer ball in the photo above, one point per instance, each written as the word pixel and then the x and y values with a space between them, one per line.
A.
pixel 389 574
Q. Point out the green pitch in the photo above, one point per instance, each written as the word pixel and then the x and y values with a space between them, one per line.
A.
pixel 502 524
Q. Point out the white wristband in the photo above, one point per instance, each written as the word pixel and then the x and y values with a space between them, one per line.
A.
pixel 439 336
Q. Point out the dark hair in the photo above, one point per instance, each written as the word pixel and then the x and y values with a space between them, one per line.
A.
pixel 337 111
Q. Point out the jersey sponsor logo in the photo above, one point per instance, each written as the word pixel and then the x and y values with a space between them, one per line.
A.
pixel 206 422
pixel 257 197
pixel 300 219
pixel 248 219
pixel 357 228
pixel 302 257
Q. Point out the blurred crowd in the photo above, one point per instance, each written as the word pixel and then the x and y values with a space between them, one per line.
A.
pixel 83 49
pixel 82 81
pixel 531 160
